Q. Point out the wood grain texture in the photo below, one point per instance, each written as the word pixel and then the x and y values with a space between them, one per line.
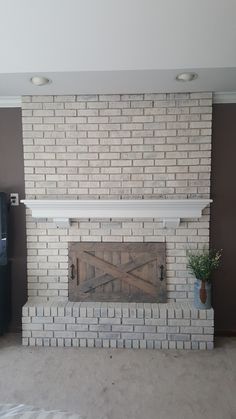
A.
pixel 117 272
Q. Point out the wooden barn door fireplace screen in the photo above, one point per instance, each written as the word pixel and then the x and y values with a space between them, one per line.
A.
pixel 122 272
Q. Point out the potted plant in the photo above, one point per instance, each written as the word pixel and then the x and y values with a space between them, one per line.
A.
pixel 201 265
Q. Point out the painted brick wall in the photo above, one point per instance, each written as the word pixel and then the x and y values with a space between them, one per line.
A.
pixel 115 146
pixel 118 325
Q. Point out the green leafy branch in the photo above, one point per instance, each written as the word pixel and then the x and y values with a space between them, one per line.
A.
pixel 201 265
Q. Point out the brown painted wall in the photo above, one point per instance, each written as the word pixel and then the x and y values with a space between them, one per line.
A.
pixel 223 215
pixel 12 180
pixel 223 220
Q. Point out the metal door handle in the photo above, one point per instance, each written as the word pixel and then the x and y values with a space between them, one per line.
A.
pixel 72 274
pixel 162 273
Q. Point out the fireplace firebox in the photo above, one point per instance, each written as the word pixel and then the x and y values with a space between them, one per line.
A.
pixel 117 272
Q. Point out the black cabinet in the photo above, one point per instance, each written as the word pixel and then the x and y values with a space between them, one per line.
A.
pixel 4 266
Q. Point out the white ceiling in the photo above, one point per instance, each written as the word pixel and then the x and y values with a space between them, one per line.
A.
pixel 110 46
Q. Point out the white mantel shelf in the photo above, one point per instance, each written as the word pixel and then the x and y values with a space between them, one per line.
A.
pixel 170 211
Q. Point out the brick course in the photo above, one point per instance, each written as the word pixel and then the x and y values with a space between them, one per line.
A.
pixel 86 327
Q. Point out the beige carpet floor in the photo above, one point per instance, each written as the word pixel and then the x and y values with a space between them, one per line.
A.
pixel 120 384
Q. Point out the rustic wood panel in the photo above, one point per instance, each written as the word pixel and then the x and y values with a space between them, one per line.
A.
pixel 117 272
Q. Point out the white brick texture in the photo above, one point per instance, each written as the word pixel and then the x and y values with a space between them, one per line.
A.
pixel 144 146
pixel 118 325
pixel 111 147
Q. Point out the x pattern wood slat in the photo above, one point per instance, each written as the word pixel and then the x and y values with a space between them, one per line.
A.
pixel 125 267
pixel 117 272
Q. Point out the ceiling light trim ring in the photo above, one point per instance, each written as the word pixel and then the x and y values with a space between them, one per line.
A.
pixel 40 81
pixel 186 77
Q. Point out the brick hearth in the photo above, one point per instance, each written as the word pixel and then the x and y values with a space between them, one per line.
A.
pixel 118 325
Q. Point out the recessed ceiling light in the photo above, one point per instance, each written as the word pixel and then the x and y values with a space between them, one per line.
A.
pixel 186 77
pixel 39 80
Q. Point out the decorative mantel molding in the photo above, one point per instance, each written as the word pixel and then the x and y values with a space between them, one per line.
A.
pixel 169 210
pixel 10 101
pixel 224 97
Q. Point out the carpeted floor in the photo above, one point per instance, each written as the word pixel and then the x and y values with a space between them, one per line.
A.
pixel 120 384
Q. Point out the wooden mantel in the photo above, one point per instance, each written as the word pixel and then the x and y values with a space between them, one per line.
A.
pixel 170 211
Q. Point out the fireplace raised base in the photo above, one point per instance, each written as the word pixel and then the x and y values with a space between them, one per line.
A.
pixel 117 325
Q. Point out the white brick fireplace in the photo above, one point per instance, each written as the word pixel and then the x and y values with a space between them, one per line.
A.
pixel 112 147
